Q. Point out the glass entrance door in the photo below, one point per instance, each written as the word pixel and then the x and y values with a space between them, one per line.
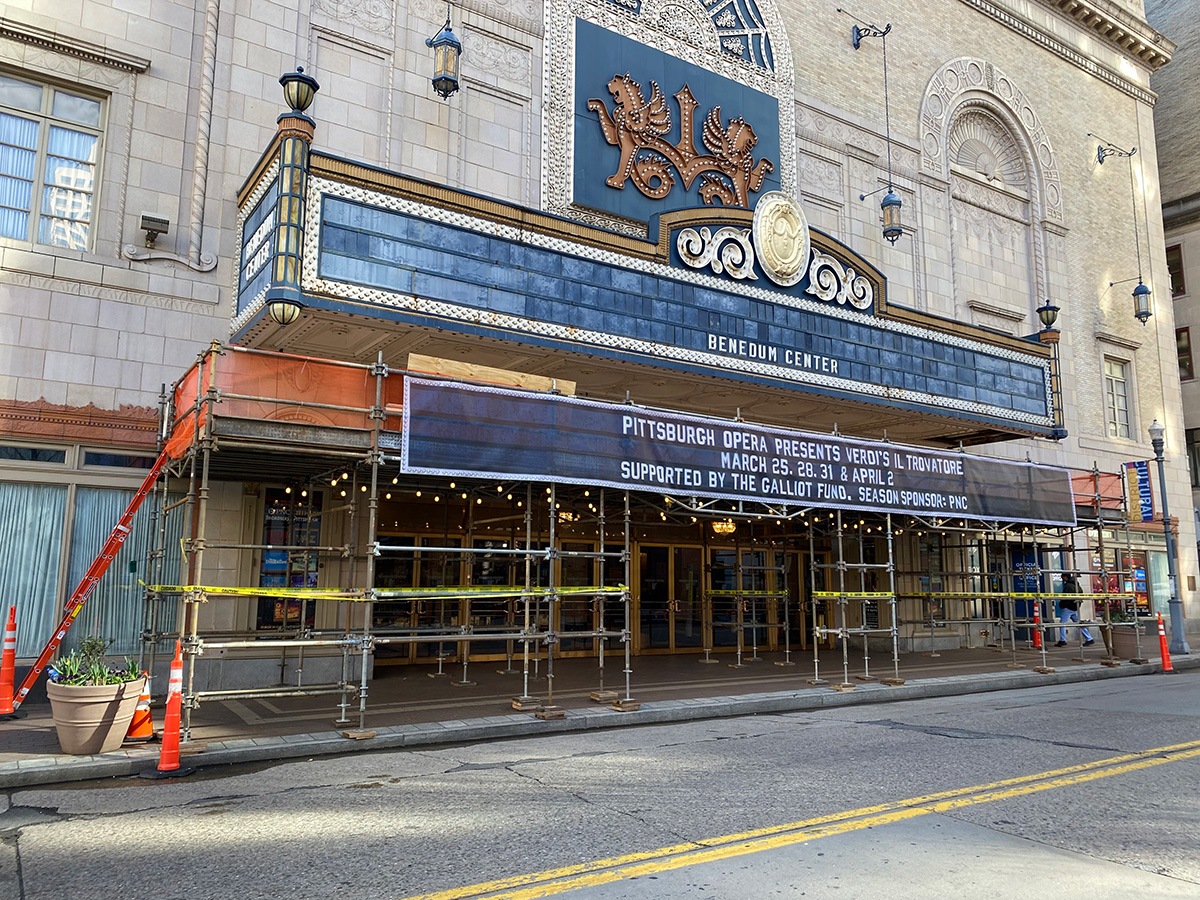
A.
pixel 654 611
pixel 687 601
pixel 723 598
pixel 671 598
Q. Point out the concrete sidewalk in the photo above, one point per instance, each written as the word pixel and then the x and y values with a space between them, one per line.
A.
pixel 412 707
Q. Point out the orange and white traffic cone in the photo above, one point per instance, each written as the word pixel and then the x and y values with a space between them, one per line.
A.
pixel 8 668
pixel 168 757
pixel 141 726
pixel 1037 625
pixel 1162 647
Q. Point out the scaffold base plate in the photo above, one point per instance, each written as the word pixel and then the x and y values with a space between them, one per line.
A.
pixel 708 662
pixel 1045 670
pixel 786 662
pixel 358 735
pixel 526 702
pixel 603 696
pixel 437 674
pixel 1111 663
pixel 550 712
pixel 626 705
pixel 865 678
pixel 845 686
pixel 1140 661
pixel 464 683
pixel 181 772
pixel 896 682
pixel 1015 666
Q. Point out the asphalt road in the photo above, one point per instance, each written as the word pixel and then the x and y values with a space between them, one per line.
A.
pixel 1087 790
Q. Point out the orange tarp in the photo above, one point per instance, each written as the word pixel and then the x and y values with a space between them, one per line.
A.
pixel 1108 485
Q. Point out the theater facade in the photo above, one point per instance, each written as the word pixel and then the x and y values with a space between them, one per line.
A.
pixel 742 330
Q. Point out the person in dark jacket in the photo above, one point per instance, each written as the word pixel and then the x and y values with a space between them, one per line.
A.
pixel 1068 611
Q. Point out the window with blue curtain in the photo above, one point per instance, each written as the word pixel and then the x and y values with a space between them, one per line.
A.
pixel 31 528
pixel 50 142
pixel 116 609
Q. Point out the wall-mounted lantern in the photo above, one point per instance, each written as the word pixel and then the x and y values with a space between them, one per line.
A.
pixel 891 203
pixel 446 50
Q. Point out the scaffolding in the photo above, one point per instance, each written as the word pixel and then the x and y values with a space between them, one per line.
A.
pixel 528 574
pixel 232 430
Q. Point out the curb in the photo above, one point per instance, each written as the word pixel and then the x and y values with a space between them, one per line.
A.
pixel 46 770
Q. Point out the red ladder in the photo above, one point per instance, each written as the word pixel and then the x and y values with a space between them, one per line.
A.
pixel 94 573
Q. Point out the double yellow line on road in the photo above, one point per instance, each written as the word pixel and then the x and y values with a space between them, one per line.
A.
pixel 633 865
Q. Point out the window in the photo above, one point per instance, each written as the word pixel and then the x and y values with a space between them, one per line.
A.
pixel 289 521
pixel 32 454
pixel 49 148
pixel 1183 348
pixel 117 460
pixel 1192 436
pixel 1175 270
pixel 1116 397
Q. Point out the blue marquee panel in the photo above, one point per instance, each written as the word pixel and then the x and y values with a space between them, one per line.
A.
pixel 368 247
pixel 256 256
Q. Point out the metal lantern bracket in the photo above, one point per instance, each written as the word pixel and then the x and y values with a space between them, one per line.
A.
pixel 1141 293
pixel 891 204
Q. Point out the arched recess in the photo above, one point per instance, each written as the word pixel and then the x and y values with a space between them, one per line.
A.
pixel 984 147
pixel 744 40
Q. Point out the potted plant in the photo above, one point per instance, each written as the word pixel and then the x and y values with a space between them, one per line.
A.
pixel 92 702
pixel 1120 632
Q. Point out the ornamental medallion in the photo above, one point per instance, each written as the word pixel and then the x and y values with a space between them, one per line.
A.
pixel 781 239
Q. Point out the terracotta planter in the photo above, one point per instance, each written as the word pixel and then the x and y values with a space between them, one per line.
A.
pixel 92 718
pixel 1124 643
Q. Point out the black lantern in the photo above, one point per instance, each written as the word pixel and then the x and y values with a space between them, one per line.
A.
pixel 890 204
pixel 298 91
pixel 446 50
pixel 1141 302
pixel 1047 314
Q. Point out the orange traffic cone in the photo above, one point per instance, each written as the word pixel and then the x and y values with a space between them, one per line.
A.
pixel 8 668
pixel 1037 625
pixel 1162 647
pixel 168 757
pixel 141 726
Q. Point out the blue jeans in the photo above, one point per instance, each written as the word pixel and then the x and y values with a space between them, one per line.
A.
pixel 1071 615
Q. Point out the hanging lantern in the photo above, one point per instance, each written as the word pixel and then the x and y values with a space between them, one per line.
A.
pixel 890 204
pixel 1141 302
pixel 446 50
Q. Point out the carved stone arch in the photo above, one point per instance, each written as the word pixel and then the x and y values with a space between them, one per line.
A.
pixel 981 143
pixel 698 31
pixel 984 141
pixel 964 82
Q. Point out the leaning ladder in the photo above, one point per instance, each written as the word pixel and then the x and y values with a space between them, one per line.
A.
pixel 90 579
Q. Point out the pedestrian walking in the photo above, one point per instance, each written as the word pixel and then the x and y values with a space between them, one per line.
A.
pixel 1068 611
